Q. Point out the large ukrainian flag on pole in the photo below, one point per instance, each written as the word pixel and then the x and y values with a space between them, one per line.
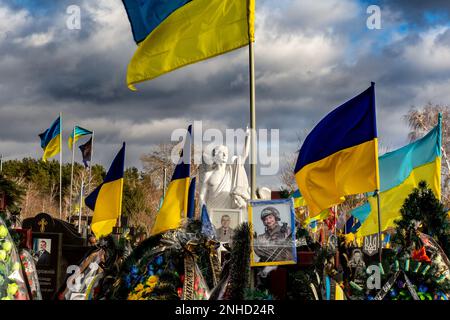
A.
pixel 175 204
pixel 173 34
pixel 51 140
pixel 340 155
pixel 400 172
pixel 106 199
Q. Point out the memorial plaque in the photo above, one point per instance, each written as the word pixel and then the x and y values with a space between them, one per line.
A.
pixel 47 249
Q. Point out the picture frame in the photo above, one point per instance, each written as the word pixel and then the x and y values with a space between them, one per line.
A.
pixel 272 225
pixel 219 218
pixel 49 272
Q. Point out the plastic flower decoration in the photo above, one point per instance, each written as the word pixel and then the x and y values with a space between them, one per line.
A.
pixel 143 290
pixel 420 255
pixel 3 231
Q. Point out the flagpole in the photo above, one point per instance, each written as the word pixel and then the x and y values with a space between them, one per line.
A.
pixel 119 221
pixel 1 163
pixel 71 174
pixel 81 206
pixel 380 249
pixel 253 158
pixel 60 166
pixel 90 162
pixel 164 183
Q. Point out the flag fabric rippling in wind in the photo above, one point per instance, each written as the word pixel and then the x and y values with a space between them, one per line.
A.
pixel 76 134
pixel 173 34
pixel 340 155
pixel 175 203
pixel 86 152
pixel 400 172
pixel 106 199
pixel 51 140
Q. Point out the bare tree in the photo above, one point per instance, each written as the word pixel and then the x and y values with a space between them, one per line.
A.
pixel 156 161
pixel 287 176
pixel 422 120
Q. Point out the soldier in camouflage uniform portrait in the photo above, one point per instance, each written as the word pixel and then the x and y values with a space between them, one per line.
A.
pixel 275 244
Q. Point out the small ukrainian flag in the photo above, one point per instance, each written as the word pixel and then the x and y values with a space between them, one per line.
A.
pixel 51 140
pixel 76 134
pixel 106 199
pixel 175 204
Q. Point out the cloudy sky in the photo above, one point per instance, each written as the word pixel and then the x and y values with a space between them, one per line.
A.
pixel 311 56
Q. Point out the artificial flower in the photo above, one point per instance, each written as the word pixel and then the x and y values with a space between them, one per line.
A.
pixel 12 289
pixel 420 255
pixel 2 255
pixel 3 231
pixel 152 280
pixel 349 238
pixel 139 287
pixel 7 246
pixel 16 266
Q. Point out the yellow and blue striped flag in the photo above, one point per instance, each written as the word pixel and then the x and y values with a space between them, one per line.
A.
pixel 400 172
pixel 299 201
pixel 78 132
pixel 51 140
pixel 191 200
pixel 175 204
pixel 106 199
pixel 340 155
pixel 173 34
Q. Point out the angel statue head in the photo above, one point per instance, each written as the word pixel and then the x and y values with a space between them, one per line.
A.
pixel 220 154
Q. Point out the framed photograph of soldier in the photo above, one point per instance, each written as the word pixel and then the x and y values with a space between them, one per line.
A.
pixel 272 224
pixel 225 222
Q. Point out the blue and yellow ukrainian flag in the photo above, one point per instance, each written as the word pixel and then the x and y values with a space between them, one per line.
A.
pixel 191 200
pixel 106 199
pixel 51 140
pixel 340 155
pixel 77 132
pixel 175 204
pixel 323 215
pixel 299 201
pixel 400 172
pixel 173 34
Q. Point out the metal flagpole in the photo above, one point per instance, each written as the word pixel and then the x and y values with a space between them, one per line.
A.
pixel 164 183
pixel 71 174
pixel 117 229
pixel 336 217
pixel 90 162
pixel 380 249
pixel 1 163
pixel 60 165
pixel 253 157
pixel 81 206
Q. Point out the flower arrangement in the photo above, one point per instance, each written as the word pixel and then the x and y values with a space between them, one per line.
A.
pixel 144 291
pixel 31 274
pixel 12 283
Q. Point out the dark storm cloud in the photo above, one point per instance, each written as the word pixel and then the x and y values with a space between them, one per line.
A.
pixel 311 56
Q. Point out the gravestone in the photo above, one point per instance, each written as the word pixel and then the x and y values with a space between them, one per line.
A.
pixel 64 246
